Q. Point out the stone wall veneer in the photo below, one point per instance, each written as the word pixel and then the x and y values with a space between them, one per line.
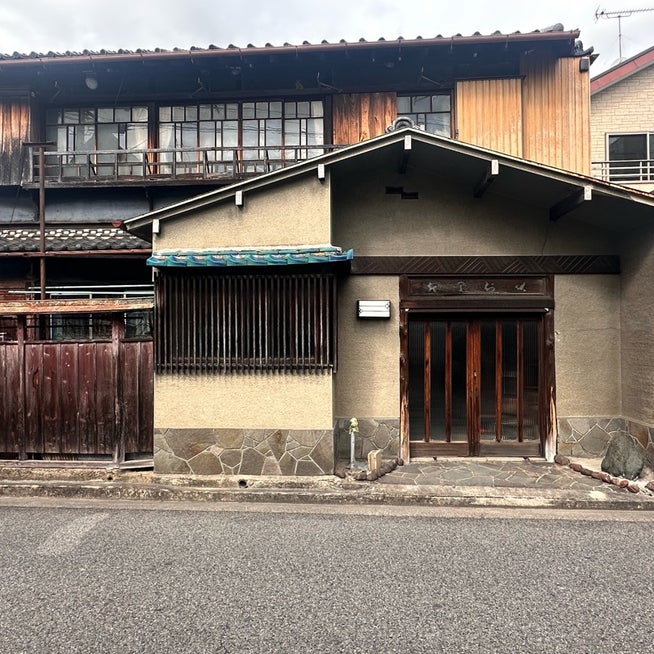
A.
pixel 590 437
pixel 374 434
pixel 244 451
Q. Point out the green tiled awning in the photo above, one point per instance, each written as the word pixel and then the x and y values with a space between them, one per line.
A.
pixel 249 257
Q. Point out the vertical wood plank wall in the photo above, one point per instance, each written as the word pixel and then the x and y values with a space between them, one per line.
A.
pixel 556 113
pixel 14 131
pixel 361 116
pixel 489 114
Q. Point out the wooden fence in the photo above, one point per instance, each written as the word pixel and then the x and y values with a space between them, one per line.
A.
pixel 76 399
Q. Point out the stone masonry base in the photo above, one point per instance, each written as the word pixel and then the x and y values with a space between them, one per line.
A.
pixel 374 434
pixel 244 451
pixel 590 436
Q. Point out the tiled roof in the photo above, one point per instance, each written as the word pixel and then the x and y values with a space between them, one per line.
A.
pixel 249 257
pixel 555 32
pixel 622 70
pixel 69 239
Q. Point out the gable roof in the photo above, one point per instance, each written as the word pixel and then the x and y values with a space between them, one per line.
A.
pixel 526 181
pixel 552 34
pixel 622 70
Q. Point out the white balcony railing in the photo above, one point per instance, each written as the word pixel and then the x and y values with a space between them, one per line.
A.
pixel 625 171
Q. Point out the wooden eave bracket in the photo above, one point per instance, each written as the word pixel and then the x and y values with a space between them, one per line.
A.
pixel 406 151
pixel 570 203
pixel 488 178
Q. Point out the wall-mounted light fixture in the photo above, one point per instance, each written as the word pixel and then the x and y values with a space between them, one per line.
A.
pixel 374 309
pixel 91 81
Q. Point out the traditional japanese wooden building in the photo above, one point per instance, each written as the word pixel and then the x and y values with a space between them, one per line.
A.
pixel 454 299
pixel 92 139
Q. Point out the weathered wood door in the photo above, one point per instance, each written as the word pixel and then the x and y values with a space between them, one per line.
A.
pixel 475 385
pixel 76 399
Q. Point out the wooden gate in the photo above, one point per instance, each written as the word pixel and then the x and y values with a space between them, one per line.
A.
pixel 83 398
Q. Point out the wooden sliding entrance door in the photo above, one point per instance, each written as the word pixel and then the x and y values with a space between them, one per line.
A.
pixel 475 385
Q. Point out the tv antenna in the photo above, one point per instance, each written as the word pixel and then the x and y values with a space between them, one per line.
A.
pixel 620 14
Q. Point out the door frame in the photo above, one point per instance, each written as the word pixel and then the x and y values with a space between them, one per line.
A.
pixel 479 297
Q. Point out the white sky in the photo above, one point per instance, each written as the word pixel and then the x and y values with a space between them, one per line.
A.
pixel 74 25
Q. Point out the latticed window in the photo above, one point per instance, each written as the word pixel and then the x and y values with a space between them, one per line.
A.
pixel 430 112
pixel 232 322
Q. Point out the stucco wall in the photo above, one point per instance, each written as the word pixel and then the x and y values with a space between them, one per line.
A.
pixel 587 345
pixel 243 401
pixel 638 326
pixel 447 220
pixel 368 377
pixel 293 214
pixel 627 106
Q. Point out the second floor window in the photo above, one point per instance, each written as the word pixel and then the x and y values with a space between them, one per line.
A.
pixel 630 157
pixel 430 112
pixel 92 129
pixel 261 135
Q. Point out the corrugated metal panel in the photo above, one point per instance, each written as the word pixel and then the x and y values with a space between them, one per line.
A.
pixel 361 116
pixel 489 114
pixel 14 131
pixel 556 113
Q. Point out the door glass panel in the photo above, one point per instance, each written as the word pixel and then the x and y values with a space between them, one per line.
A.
pixel 459 426
pixel 438 333
pixel 416 380
pixel 489 349
pixel 530 376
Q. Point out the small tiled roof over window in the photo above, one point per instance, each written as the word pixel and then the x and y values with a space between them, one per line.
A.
pixel 69 239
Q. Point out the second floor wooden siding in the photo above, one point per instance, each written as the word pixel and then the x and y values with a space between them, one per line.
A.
pixel 14 131
pixel 543 116
pixel 361 116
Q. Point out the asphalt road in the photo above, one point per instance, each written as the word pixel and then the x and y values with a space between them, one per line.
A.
pixel 111 577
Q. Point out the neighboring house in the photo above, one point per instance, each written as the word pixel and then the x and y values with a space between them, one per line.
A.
pixel 622 122
pixel 126 133
pixel 453 299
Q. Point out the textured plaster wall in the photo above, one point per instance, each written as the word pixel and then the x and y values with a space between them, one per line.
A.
pixel 243 401
pixel 638 326
pixel 587 345
pixel 292 214
pixel 367 381
pixel 448 220
pixel 625 107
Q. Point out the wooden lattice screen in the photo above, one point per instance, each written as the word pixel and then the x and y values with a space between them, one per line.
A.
pixel 240 322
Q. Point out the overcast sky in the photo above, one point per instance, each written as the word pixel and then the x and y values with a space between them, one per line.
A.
pixel 74 25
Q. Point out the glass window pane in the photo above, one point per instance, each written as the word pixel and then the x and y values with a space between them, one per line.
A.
pixel 85 138
pixel 178 114
pixel 231 111
pixel 437 124
pixel 139 114
pixel 230 133
pixel 314 131
pixel 292 132
pixel 165 114
pixel 317 108
pixel 261 110
pixel 166 136
pixel 107 137
pixel 303 109
pixel 191 114
pixel 137 136
pixel 71 116
pixel 441 102
pixel 207 134
pixel 105 115
pixel 219 111
pixel 250 133
pixel 122 114
pixel 248 110
pixel 422 103
pixel 205 112
pixel 87 116
pixel 290 110
pixel 403 105
pixel 627 146
pixel 273 132
pixel 275 109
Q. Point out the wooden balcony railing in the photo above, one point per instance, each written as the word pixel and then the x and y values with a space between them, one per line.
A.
pixel 166 164
pixel 628 171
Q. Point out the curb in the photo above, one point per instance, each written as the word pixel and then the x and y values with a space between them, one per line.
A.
pixel 347 494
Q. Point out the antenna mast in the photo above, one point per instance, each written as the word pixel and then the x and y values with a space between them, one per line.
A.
pixel 620 14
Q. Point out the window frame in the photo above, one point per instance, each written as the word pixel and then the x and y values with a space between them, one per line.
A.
pixel 640 170
pixel 420 118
